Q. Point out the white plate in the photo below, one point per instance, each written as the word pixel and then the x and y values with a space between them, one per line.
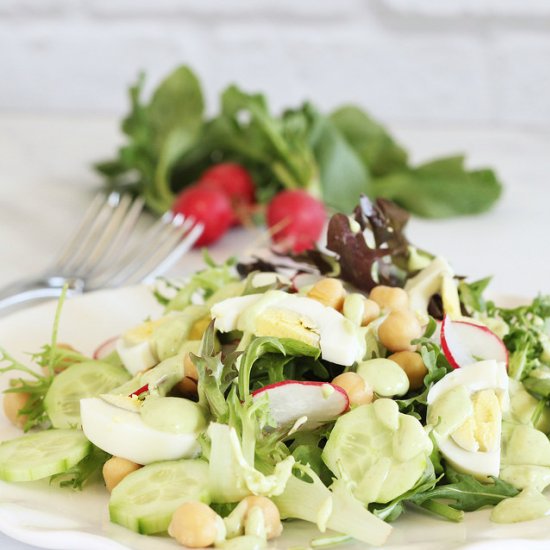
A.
pixel 48 517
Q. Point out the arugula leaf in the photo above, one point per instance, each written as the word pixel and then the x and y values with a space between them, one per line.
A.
pixel 527 339
pixel 379 152
pixel 441 188
pixel 393 509
pixel 466 493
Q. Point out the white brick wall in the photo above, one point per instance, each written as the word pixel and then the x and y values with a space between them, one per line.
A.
pixel 474 61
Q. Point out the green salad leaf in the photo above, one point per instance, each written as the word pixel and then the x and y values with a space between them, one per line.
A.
pixel 466 493
pixel 89 469
pixel 440 188
pixel 336 156
pixel 528 338
pixel 379 152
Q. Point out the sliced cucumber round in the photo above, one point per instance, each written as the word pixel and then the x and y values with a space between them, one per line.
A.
pixel 382 451
pixel 145 500
pixel 42 454
pixel 87 379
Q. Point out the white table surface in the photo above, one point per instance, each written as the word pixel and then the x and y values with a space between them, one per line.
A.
pixel 46 184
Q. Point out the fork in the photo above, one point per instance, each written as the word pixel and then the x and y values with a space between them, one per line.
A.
pixel 100 253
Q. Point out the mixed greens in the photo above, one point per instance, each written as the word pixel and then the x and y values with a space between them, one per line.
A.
pixel 336 156
pixel 339 386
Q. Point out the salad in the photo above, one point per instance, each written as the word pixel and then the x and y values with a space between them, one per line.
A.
pixel 339 386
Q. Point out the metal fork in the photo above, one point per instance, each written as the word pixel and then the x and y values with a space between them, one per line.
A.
pixel 101 253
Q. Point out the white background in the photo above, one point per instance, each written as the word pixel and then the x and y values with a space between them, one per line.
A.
pixel 421 61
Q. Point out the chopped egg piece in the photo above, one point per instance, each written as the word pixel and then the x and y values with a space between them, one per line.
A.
pixel 465 409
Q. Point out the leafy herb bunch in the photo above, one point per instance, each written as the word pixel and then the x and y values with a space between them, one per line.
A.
pixel 335 156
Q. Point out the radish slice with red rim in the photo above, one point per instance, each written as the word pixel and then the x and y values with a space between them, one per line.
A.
pixel 106 348
pixel 291 400
pixel 464 343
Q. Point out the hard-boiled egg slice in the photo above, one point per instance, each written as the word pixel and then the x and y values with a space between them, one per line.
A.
pixel 122 432
pixel 284 315
pixel 134 347
pixel 465 408
pixel 227 312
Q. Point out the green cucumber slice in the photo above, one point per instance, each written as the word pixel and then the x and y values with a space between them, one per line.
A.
pixel 42 454
pixel 145 500
pixel 382 451
pixel 86 379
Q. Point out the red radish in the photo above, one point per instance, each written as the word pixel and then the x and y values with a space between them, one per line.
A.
pixel 436 336
pixel 231 178
pixel 464 343
pixel 296 220
pixel 139 391
pixel 292 399
pixel 106 348
pixel 209 206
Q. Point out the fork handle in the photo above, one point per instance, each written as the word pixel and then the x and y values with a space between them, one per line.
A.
pixel 21 293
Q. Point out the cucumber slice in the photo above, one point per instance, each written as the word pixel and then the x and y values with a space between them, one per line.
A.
pixel 87 379
pixel 42 454
pixel 382 451
pixel 145 500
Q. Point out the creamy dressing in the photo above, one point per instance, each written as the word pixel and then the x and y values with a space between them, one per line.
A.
pixel 393 449
pixel 450 410
pixel 245 542
pixel 522 404
pixel 522 476
pixel 528 505
pixel 384 376
pixel 170 335
pixel 354 308
pixel 525 461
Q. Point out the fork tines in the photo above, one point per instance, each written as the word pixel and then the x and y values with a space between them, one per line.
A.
pixel 105 253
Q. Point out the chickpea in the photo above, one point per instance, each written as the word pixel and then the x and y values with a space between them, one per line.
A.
pixel 116 469
pixel 196 525
pixel 13 403
pixel 188 385
pixel 189 368
pixel 413 365
pixel 272 518
pixel 398 329
pixel 62 364
pixel 389 297
pixel 371 312
pixel 330 292
pixel 358 390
